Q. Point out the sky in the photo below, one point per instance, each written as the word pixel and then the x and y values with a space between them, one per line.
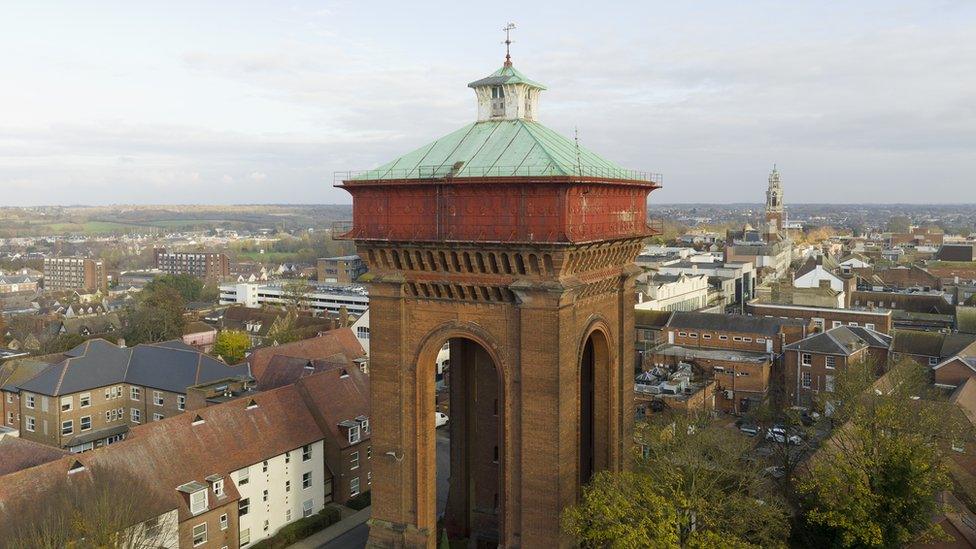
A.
pixel 262 102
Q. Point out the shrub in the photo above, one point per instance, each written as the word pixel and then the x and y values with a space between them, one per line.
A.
pixel 300 529
pixel 360 502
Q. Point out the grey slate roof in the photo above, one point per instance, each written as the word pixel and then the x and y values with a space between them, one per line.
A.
pixel 169 366
pixel 732 323
pixel 871 337
pixel 841 340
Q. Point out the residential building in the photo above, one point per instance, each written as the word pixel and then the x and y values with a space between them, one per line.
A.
pixel 735 282
pixel 340 270
pixel 321 298
pixel 668 292
pixel 733 332
pixel 258 323
pixel 931 348
pixel 95 393
pixel 824 318
pixel 200 336
pixel 233 474
pixel 812 364
pixel 335 346
pixel 213 266
pixel 16 283
pixel 361 328
pixel 74 273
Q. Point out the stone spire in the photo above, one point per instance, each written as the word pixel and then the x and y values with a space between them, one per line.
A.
pixel 774 206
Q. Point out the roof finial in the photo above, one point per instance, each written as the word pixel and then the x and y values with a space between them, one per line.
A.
pixel 508 42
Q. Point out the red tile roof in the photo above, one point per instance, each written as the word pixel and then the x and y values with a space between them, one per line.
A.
pixel 341 341
pixel 18 453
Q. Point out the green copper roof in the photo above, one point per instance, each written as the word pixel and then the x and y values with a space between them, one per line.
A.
pixel 501 148
pixel 505 75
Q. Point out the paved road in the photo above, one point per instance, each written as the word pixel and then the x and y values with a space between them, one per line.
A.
pixel 356 538
pixel 353 539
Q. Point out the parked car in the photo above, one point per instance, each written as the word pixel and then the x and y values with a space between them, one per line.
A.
pixel 440 419
pixel 777 433
pixel 750 429
pixel 808 418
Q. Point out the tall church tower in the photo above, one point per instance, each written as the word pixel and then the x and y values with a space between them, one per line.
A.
pixel 775 217
pixel 514 246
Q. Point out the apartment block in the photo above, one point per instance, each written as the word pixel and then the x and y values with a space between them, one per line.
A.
pixel 206 265
pixel 74 273
pixel 812 364
pixel 94 394
pixel 825 318
pixel 340 270
pixel 233 474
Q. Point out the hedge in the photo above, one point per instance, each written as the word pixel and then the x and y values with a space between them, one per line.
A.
pixel 300 529
pixel 359 502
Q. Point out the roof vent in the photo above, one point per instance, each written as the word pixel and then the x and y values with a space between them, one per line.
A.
pixel 344 374
pixel 76 467
pixel 309 365
pixel 251 405
pixel 197 420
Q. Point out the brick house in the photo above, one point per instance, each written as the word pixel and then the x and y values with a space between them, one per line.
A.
pixel 955 371
pixel 931 348
pixel 823 318
pixel 93 394
pixel 733 332
pixel 232 474
pixel 810 365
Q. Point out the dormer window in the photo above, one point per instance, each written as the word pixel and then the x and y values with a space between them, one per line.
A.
pixel 354 434
pixel 198 502
pixel 363 424
pixel 497 92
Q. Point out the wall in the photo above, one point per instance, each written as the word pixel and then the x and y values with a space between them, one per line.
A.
pixel 881 320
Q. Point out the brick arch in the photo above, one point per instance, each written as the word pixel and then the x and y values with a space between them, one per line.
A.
pixel 605 379
pixel 422 368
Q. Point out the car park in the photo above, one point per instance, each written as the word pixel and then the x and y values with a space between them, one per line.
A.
pixel 778 433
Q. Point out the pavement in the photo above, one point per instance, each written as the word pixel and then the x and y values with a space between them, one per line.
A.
pixel 352 532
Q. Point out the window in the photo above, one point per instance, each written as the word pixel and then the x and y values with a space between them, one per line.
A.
pixel 157 398
pixel 760 340
pixel 369 478
pixel 736 338
pixel 84 400
pixel 245 536
pixel 354 487
pixel 723 338
pixel 829 384
pixel 218 488
pixel 242 508
pixel 29 401
pixel 135 393
pixel 831 361
pixel 264 496
pixel 10 418
pixel 682 334
pixel 869 326
pixel 354 460
pixel 288 515
pixel 747 339
pixel 852 323
pixel 200 534
pixel 29 423
pixel 307 508
pixel 181 402
pixel 364 422
pixel 243 476
pixel 806 359
pixel 198 502
pixel 288 486
pixel 135 415
pixel 362 332
pixel 306 480
pixel 223 521
pixel 287 457
pixel 66 404
pixel 267 524
pixel 693 334
pixel 933 361
pixel 807 378
pixel 307 452
pixel 369 452
pixel 354 434
pixel 706 336
pixel 264 466
pixel 158 417
pixel 67 427
pixel 837 324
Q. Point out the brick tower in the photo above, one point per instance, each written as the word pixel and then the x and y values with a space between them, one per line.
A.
pixel 514 246
pixel 775 215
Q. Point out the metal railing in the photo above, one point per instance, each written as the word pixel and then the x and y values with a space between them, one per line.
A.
pixel 455 171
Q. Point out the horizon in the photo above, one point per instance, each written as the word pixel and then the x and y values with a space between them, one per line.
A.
pixel 263 105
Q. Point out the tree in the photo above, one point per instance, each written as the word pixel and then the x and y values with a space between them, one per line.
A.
pixel 157 316
pixel 874 482
pixel 99 507
pixel 188 286
pixel 231 345
pixel 284 329
pixel 695 486
pixel 210 293
pixel 60 343
pixel 295 292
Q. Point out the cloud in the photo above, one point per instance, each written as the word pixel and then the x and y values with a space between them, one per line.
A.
pixel 258 176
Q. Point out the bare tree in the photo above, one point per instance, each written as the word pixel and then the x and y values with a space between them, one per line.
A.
pixel 90 507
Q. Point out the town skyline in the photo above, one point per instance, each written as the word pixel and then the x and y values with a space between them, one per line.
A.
pixel 263 107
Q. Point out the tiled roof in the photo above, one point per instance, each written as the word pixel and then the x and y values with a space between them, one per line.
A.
pixel 732 323
pixel 181 450
pixel 19 453
pixel 285 370
pixel 341 341
pixel 836 341
pixel 170 366
pixel 937 344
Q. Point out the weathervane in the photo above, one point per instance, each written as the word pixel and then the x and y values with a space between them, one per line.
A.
pixel 508 42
